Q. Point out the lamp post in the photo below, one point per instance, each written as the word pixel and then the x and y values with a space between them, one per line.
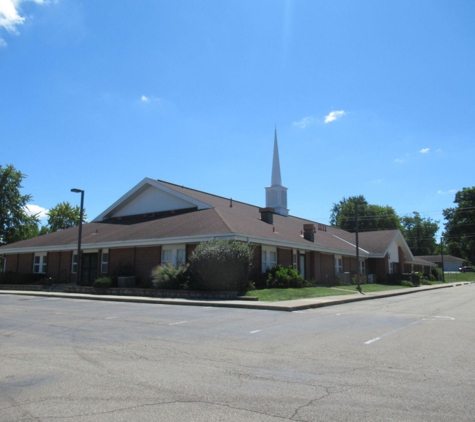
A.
pixel 80 234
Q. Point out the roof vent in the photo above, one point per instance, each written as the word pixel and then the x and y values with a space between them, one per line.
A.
pixel 322 227
pixel 309 232
pixel 267 215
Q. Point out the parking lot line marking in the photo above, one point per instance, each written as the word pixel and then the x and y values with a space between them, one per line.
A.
pixel 111 317
pixel 372 340
pixel 253 332
pixel 180 322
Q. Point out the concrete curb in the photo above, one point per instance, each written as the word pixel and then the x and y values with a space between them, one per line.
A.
pixel 287 306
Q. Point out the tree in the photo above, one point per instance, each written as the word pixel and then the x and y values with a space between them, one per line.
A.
pixel 15 223
pixel 370 217
pixel 459 232
pixel 64 216
pixel 420 234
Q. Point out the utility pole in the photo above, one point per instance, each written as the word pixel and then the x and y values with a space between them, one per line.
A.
pixel 442 256
pixel 357 248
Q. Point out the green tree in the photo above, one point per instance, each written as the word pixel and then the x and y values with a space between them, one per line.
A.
pixel 420 233
pixel 459 232
pixel 15 222
pixel 370 216
pixel 64 216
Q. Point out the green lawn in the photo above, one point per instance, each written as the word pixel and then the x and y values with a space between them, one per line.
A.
pixel 455 277
pixel 275 295
pixel 373 287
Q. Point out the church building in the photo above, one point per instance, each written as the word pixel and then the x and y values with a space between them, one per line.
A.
pixel 159 222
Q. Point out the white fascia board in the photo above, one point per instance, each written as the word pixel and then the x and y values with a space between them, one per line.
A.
pixel 150 182
pixel 184 239
pixel 399 236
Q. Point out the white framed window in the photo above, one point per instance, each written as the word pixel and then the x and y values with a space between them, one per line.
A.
pixel 338 264
pixel 174 254
pixel 362 266
pixel 40 261
pixel 269 257
pixel 74 264
pixel 294 260
pixel 391 268
pixel 105 261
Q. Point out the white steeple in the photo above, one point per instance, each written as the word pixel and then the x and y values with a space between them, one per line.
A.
pixel 276 194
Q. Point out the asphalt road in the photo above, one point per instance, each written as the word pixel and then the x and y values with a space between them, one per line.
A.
pixel 405 358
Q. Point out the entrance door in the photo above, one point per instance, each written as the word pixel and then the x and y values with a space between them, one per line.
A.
pixel 89 267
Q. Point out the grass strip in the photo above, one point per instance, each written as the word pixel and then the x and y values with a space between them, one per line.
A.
pixel 275 295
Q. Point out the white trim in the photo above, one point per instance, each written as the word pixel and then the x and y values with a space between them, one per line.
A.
pixel 138 189
pixel 265 241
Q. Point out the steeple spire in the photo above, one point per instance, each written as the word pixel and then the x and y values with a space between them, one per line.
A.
pixel 276 194
pixel 276 178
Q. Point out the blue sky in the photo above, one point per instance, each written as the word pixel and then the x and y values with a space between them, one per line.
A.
pixel 368 97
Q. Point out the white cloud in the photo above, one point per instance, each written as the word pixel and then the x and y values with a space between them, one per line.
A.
pixel 334 115
pixel 145 99
pixel 32 209
pixel 441 192
pixel 306 121
pixel 149 99
pixel 424 150
pixel 400 160
pixel 10 17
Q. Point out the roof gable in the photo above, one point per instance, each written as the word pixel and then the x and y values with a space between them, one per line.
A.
pixel 150 196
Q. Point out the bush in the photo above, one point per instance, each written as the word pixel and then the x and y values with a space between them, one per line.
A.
pixel 426 282
pixel 102 283
pixel 279 277
pixel 169 277
pixel 221 265
pixel 407 283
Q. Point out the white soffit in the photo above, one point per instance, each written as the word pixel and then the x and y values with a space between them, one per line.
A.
pixel 147 197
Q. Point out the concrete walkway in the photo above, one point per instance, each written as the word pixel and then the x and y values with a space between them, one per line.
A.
pixel 287 305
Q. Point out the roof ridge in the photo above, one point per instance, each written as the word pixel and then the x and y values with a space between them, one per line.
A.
pixel 223 220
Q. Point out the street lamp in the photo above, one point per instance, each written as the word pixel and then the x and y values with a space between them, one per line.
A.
pixel 80 234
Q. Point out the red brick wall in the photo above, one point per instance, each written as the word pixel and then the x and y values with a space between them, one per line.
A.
pixel 256 262
pixel 12 263
pixel 284 257
pixel 310 266
pixel 25 263
pixel 317 267
pixel 65 275
pixel 52 269
pixel 119 257
pixel 327 268
pixel 145 260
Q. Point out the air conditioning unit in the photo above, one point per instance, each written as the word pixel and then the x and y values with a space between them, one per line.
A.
pixel 371 278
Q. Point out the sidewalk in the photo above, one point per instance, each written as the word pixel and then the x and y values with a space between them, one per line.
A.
pixel 288 305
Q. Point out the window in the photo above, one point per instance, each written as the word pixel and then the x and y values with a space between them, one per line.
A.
pixel 294 260
pixel 338 264
pixel 39 263
pixel 105 261
pixel 391 268
pixel 362 266
pixel 74 264
pixel 269 258
pixel 174 254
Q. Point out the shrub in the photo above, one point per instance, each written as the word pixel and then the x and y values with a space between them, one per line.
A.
pixel 279 277
pixel 221 265
pixel 426 282
pixel 102 283
pixel 407 283
pixel 169 277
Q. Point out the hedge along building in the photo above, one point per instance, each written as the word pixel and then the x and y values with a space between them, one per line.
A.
pixel 158 222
